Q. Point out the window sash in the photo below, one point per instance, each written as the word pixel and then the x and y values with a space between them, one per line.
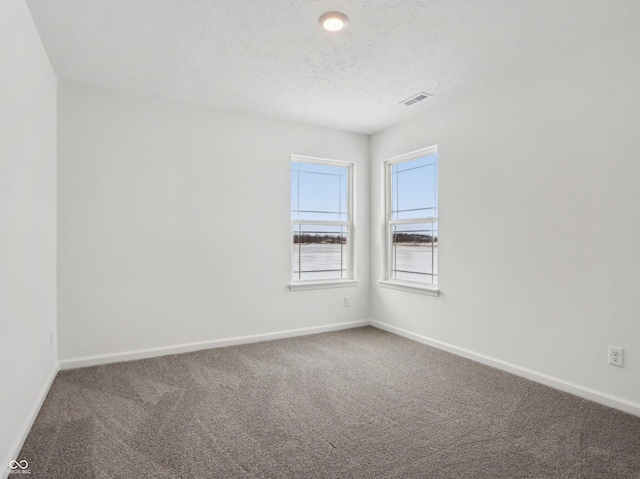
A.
pixel 347 267
pixel 425 253
pixel 414 221
pixel 320 222
pixel 335 260
pixel 391 222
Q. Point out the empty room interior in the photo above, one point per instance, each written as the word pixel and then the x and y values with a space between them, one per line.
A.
pixel 220 239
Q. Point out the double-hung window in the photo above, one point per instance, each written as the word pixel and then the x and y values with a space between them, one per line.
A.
pixel 322 227
pixel 412 221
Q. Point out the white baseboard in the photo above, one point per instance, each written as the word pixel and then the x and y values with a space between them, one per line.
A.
pixel 556 383
pixel 216 343
pixel 28 422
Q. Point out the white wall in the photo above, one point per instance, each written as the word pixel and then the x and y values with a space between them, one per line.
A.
pixel 174 224
pixel 27 222
pixel 539 195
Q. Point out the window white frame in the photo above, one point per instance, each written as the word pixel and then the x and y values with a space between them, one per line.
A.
pixel 389 281
pixel 349 223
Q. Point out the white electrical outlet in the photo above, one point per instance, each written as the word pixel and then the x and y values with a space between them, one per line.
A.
pixel 615 356
pixel 347 301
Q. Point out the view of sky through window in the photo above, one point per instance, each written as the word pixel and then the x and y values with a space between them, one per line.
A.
pixel 318 192
pixel 414 189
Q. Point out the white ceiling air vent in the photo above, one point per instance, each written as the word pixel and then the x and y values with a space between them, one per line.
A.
pixel 416 98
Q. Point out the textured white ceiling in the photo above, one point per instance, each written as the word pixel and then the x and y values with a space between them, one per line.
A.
pixel 271 58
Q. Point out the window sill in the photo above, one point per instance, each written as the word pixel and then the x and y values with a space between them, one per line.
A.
pixel 412 288
pixel 305 285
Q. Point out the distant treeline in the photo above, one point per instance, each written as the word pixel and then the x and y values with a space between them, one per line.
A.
pixel 319 239
pixel 413 238
pixel 339 239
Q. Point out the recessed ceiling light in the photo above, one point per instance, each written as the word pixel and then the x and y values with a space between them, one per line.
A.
pixel 333 21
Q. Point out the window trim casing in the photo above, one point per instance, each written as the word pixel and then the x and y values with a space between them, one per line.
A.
pixel 351 280
pixel 388 281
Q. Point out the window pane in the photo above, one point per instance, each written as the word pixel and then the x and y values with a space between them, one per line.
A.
pixel 319 192
pixel 414 252
pixel 295 191
pixel 413 189
pixel 319 252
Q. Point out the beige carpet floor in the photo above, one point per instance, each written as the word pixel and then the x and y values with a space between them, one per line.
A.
pixel 359 403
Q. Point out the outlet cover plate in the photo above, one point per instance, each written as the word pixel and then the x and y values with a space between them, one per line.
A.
pixel 616 356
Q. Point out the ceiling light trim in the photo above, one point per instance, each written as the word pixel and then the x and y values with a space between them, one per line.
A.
pixel 333 21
